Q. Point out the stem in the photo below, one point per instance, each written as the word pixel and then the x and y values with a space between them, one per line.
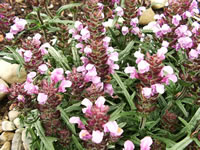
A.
pixel 47 9
pixel 42 23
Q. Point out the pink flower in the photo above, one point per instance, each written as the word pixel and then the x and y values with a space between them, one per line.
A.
pixel 119 11
pixel 185 42
pixel 139 56
pixel 85 34
pixel 166 70
pixel 143 66
pixel 134 22
pixel 165 29
pixel 20 24
pixel 128 145
pixel 135 30
pixel 36 39
pixel 76 120
pixel 106 41
pixel 108 89
pixel 13 29
pixel 3 88
pixel 9 36
pixel 87 50
pixel 176 20
pixel 97 136
pixel 42 68
pixel 57 75
pixel 145 143
pixel 64 84
pixel 193 54
pixel 85 135
pixel 168 77
pixel 114 56
pixel 113 128
pixel 147 92
pixel 182 31
pixel 86 102
pixel 43 48
pixel 165 44
pixel 30 77
pixel 78 25
pixel 196 27
pixel 158 88
pixel 30 88
pixel 28 55
pixel 161 53
pixel 125 30
pixel 42 98
pixel 132 71
pixel 21 98
pixel 100 102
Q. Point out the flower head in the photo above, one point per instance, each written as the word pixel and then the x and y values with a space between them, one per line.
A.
pixel 145 143
pixel 42 98
pixel 128 145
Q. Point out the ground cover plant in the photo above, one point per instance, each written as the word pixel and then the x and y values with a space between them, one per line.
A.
pixel 98 80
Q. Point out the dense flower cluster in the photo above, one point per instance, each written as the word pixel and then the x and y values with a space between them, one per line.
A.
pixel 99 130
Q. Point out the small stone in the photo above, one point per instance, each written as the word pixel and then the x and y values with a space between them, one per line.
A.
pixel 17 142
pixel 17 123
pixel 26 138
pixel 3 94
pixel 6 146
pixel 13 114
pixel 147 17
pixel 158 4
pixel 19 1
pixel 6 136
pixel 1 126
pixel 9 73
pixel 8 126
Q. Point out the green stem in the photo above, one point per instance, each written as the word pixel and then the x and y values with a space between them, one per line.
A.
pixel 42 23
pixel 47 10
pixel 143 122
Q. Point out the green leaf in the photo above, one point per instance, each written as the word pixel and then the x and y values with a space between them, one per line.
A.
pixel 124 90
pixel 57 20
pixel 78 145
pixel 61 9
pixel 66 120
pixel 182 108
pixel 126 51
pixel 47 141
pixel 182 144
pixel 116 114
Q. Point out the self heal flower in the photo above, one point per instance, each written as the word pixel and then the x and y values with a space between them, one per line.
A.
pixel 13 29
pixel 28 55
pixel 125 30
pixel 57 75
pixel 139 56
pixel 86 102
pixel 193 54
pixel 165 29
pixel 166 70
pixel 42 68
pixel 97 136
pixel 20 23
pixel 132 71
pixel 85 34
pixel 42 98
pixel 108 89
pixel 158 88
pixel 43 48
pixel 145 143
pixel 147 92
pixel 76 120
pixel 113 128
pixel 176 20
pixel 9 36
pixel 100 102
pixel 120 11
pixel 36 39
pixel 21 98
pixel 165 44
pixel 161 53
pixel 30 77
pixel 128 145
pixel 85 135
pixel 87 50
pixel 30 88
pixel 64 84
pixel 134 22
pixel 78 25
pixel 143 66
pixel 169 77
pixel 185 42
pixel 3 88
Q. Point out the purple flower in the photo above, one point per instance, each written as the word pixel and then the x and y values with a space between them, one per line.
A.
pixel 176 20
pixel 158 88
pixel 161 53
pixel 120 11
pixel 64 84
pixel 128 145
pixel 125 30
pixel 139 56
pixel 30 88
pixel 145 143
pixel 3 88
pixel 42 68
pixel 97 136
pixel 43 48
pixel 165 29
pixel 42 98
pixel 30 77
pixel 185 42
pixel 143 66
pixel 193 54
pixel 9 36
pixel 165 44
pixel 147 92
pixel 87 50
pixel 13 29
pixel 21 98
pixel 76 120
pixel 57 75
pixel 36 39
pixel 134 22
pixel 132 71
pixel 85 135
pixel 78 25
pixel 28 55
pixel 85 34
pixel 86 102
pixel 20 24
pixel 108 89
pixel 113 128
